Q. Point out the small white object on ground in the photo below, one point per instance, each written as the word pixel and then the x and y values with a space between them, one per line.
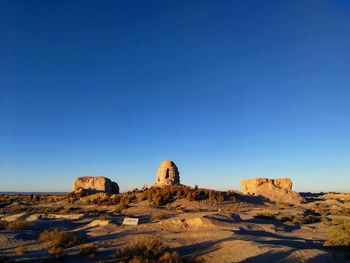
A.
pixel 130 221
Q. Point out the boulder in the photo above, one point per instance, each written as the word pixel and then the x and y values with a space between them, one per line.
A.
pixel 167 174
pixel 95 185
pixel 278 190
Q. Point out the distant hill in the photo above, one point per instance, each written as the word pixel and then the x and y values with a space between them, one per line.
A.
pixel 34 193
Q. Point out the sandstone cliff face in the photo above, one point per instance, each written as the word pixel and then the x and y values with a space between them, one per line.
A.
pixel 95 184
pixel 279 190
pixel 167 174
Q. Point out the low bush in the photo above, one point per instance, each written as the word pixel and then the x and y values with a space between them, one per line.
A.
pixel 88 250
pixel 19 225
pixel 104 216
pixel 60 238
pixel 296 220
pixel 162 196
pixel 15 209
pixel 159 215
pixel 339 235
pixel 119 208
pixel 146 249
pixel 290 220
pixel 20 251
pixel 56 252
pixel 265 215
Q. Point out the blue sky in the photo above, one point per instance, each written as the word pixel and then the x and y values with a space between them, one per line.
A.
pixel 228 90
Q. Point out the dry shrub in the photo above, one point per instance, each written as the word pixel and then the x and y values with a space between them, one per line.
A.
pixel 289 220
pixel 19 225
pixel 339 235
pixel 56 252
pixel 170 257
pixel 159 215
pixel 146 249
pixel 15 209
pixel 162 196
pixel 20 251
pixel 60 238
pixel 265 215
pixel 119 208
pixel 294 220
pixel 104 216
pixel 88 250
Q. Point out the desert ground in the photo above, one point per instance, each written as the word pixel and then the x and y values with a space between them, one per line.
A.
pixel 176 224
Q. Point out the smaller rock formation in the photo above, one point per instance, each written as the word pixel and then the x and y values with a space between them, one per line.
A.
pixel 279 190
pixel 167 174
pixel 95 185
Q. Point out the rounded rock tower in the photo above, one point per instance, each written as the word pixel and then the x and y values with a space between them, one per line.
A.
pixel 167 174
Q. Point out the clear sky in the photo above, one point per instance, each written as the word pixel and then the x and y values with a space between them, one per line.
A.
pixel 228 90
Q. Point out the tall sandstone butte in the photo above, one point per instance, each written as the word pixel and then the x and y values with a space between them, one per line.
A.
pixel 167 174
pixel 279 190
pixel 95 184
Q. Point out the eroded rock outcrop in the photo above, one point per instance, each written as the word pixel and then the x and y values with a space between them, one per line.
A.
pixel 279 190
pixel 167 174
pixel 95 185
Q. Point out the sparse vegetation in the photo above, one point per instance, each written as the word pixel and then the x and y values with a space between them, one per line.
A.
pixel 56 252
pixel 60 238
pixel 88 250
pixel 15 209
pixel 162 196
pixel 288 219
pixel 119 208
pixel 20 251
pixel 159 215
pixel 146 249
pixel 104 216
pixel 339 235
pixel 265 215
pixel 19 225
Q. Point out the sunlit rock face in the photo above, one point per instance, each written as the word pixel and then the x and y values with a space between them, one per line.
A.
pixel 95 184
pixel 167 174
pixel 278 190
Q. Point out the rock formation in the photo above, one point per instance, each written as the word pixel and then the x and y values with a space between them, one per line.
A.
pixel 167 174
pixel 95 185
pixel 279 190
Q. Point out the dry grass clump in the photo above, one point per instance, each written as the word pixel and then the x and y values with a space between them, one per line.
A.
pixel 104 216
pixel 159 215
pixel 59 238
pixel 5 200
pixel 289 220
pixel 119 208
pixel 339 235
pixel 159 196
pixel 20 251
pixel 88 250
pixel 116 199
pixel 323 210
pixel 265 215
pixel 56 252
pixel 295 220
pixel 15 209
pixel 19 225
pixel 146 249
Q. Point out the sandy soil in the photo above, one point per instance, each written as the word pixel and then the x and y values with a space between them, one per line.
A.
pixel 214 234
